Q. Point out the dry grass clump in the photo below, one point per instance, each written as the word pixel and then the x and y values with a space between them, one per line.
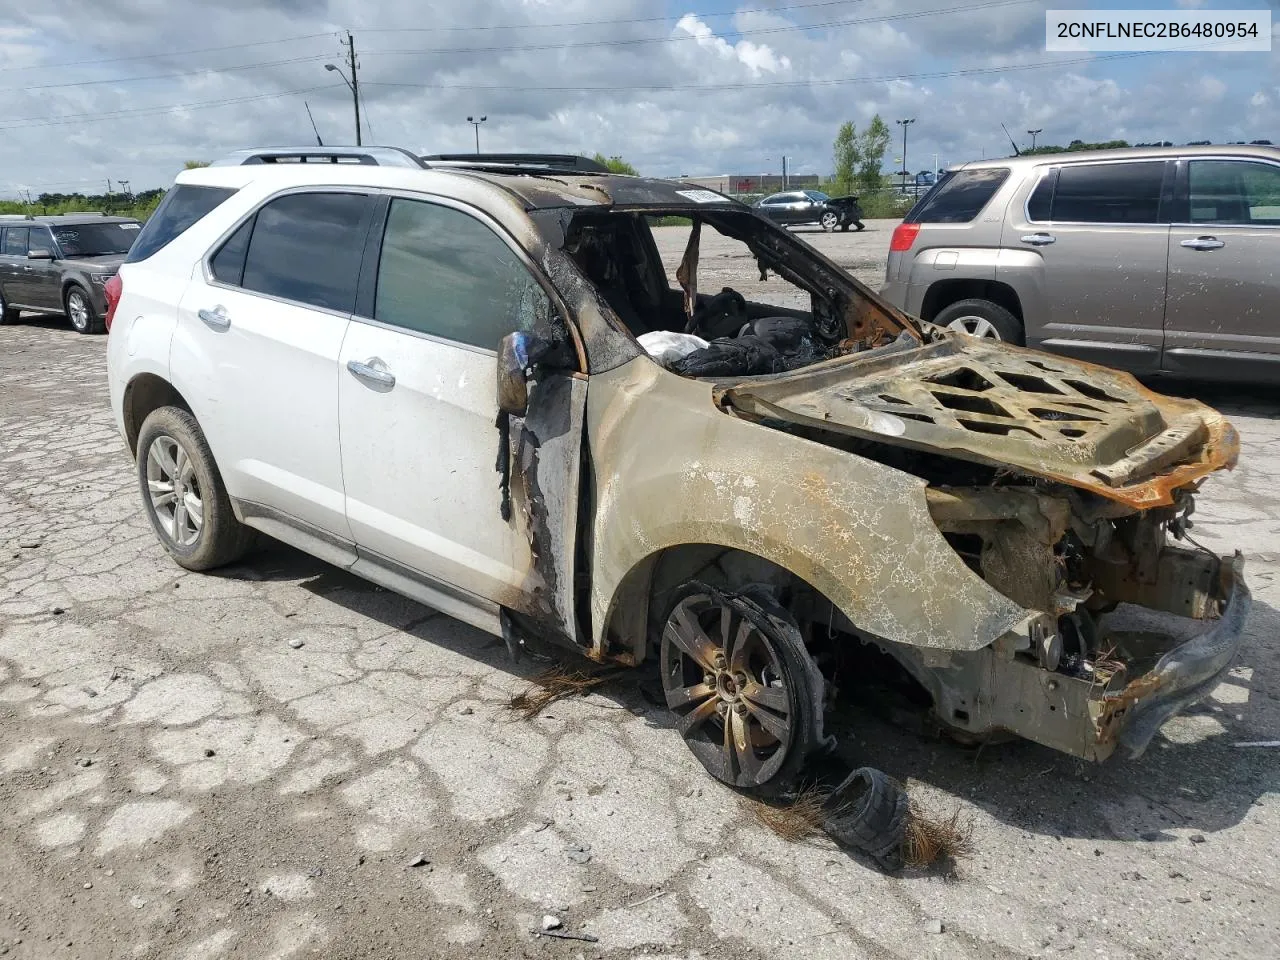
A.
pixel 928 840
pixel 552 685
pixel 801 819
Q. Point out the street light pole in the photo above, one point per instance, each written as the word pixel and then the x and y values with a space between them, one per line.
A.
pixel 354 83
pixel 1033 136
pixel 476 123
pixel 904 124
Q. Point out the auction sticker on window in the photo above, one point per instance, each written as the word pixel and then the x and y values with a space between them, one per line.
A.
pixel 1157 30
pixel 702 196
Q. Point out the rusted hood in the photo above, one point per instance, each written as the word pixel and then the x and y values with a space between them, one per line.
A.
pixel 1084 425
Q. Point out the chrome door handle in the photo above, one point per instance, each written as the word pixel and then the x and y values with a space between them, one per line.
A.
pixel 215 319
pixel 1039 239
pixel 373 374
pixel 1204 243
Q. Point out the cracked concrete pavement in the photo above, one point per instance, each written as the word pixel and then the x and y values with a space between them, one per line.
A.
pixel 179 780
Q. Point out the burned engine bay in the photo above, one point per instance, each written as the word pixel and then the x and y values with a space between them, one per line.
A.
pixel 818 315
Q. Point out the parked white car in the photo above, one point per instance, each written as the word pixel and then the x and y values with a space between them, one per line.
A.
pixel 430 373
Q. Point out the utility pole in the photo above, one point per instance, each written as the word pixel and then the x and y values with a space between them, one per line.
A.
pixel 1033 136
pixel 476 123
pixel 784 171
pixel 353 84
pixel 905 123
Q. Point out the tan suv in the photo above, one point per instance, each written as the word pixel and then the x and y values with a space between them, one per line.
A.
pixel 1157 260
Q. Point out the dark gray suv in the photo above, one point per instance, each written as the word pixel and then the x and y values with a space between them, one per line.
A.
pixel 61 265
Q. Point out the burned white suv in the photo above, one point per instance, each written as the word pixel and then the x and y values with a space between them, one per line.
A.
pixel 478 383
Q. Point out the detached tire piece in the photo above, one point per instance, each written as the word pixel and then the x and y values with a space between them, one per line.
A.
pixel 183 494
pixel 873 820
pixel 745 694
pixel 79 307
pixel 983 319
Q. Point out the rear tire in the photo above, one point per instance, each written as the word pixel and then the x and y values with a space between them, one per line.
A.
pixel 982 319
pixel 7 313
pixel 183 494
pixel 79 307
pixel 829 220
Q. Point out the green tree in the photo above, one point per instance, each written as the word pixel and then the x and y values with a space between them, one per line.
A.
pixel 195 164
pixel 616 164
pixel 845 151
pixel 871 147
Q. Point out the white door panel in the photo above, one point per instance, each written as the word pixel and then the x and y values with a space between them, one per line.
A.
pixel 418 460
pixel 264 389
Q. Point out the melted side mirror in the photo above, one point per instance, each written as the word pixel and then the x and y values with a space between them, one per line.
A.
pixel 513 366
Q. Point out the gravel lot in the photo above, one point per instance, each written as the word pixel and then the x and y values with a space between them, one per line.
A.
pixel 250 764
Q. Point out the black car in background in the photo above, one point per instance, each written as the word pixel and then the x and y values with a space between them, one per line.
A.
pixel 61 264
pixel 795 207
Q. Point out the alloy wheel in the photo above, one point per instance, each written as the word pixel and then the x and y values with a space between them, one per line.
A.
pixel 975 326
pixel 175 492
pixel 729 689
pixel 829 221
pixel 78 310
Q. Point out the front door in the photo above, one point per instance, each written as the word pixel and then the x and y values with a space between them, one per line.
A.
pixel 1096 230
pixel 255 352
pixel 43 277
pixel 420 427
pixel 1220 318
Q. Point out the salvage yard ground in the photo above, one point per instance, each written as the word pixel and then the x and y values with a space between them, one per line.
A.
pixel 281 760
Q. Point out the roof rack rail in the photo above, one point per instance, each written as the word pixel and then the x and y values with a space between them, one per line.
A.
pixel 362 156
pixel 541 161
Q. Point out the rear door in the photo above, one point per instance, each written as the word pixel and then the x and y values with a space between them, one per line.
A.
pixel 259 332
pixel 1220 315
pixel 420 426
pixel 13 264
pixel 1102 237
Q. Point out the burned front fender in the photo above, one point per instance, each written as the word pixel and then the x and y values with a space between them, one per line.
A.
pixel 671 469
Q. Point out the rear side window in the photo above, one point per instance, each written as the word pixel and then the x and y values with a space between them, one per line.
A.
pixel 1109 193
pixel 307 247
pixel 181 207
pixel 15 242
pixel 228 263
pixel 959 196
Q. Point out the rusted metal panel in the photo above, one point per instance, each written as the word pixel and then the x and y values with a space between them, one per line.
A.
pixel 1086 426
pixel 670 469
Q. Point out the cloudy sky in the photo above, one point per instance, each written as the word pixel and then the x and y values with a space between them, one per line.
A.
pixel 129 89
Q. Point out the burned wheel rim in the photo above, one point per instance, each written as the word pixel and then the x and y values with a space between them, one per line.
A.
pixel 975 326
pixel 730 689
pixel 174 491
pixel 829 221
pixel 78 310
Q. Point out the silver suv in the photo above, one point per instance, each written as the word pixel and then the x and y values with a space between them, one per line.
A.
pixel 1157 260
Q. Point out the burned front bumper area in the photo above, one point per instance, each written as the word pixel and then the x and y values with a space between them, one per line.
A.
pixel 1120 699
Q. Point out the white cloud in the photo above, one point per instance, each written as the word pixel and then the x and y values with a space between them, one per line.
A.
pixel 758 58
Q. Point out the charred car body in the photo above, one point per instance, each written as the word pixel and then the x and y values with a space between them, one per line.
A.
pixel 847 480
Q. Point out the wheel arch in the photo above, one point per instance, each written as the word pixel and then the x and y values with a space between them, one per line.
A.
pixel 143 394
pixel 942 293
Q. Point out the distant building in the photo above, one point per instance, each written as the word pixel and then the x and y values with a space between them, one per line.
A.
pixel 736 183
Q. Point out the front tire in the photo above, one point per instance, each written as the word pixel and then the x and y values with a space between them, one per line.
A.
pixel 982 319
pixel 183 493
pixel 829 221
pixel 80 312
pixel 743 690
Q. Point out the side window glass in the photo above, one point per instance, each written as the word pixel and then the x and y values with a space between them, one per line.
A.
pixel 227 264
pixel 1039 205
pixel 959 196
pixel 15 242
pixel 1234 191
pixel 41 239
pixel 445 273
pixel 307 247
pixel 1109 193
